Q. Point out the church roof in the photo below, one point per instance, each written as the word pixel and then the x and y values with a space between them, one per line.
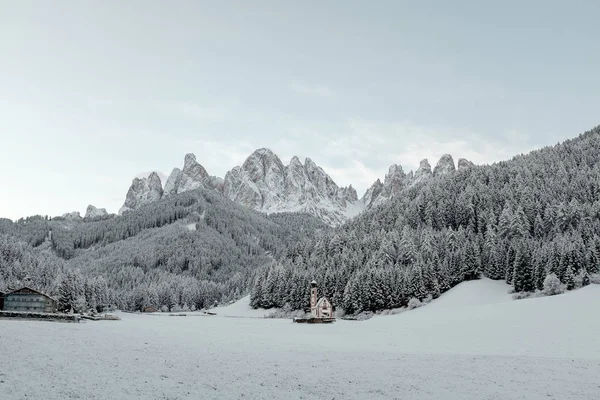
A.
pixel 323 300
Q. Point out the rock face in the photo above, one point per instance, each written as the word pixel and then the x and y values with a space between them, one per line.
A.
pixel 423 172
pixel 372 194
pixel 265 184
pixel 396 180
pixel 193 176
pixel 464 164
pixel 74 216
pixel 142 191
pixel 93 212
pixel 262 183
pixel 444 166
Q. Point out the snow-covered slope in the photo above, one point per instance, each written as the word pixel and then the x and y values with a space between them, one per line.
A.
pixel 473 293
pixel 470 346
pixel 242 309
pixel 479 317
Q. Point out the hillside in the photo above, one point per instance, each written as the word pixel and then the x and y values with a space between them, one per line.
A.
pixel 188 250
pixel 518 220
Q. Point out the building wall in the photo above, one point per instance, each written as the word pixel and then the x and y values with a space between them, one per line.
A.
pixel 28 302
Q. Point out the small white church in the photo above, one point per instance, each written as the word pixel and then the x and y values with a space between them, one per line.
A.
pixel 321 308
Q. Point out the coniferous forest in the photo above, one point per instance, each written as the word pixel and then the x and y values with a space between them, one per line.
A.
pixel 190 251
pixel 521 220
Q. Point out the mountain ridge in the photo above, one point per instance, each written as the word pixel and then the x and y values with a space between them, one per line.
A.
pixel 264 183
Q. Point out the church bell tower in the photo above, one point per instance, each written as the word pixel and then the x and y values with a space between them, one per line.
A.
pixel 313 298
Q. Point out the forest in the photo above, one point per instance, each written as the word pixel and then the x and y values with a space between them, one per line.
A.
pixel 186 252
pixel 519 220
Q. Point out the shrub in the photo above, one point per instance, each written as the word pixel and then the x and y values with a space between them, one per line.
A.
pixel 363 316
pixel 414 303
pixel 521 295
pixel 553 286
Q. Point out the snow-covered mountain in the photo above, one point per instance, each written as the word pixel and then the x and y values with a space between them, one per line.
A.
pixel 142 191
pixel 74 215
pixel 93 212
pixel 265 184
pixel 193 176
pixel 396 180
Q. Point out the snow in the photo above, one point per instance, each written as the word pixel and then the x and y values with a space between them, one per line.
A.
pixel 474 293
pixel 241 309
pixel 472 343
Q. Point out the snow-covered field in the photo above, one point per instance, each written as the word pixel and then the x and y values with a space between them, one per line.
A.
pixel 472 343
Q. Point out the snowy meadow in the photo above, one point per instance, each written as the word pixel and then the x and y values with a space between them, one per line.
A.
pixel 474 342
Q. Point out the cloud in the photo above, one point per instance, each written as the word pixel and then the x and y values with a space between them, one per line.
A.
pixel 360 151
pixel 317 90
pixel 203 112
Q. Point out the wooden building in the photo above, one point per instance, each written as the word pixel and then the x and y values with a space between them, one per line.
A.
pixel 27 299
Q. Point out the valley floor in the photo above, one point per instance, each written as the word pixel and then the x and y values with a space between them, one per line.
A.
pixel 472 343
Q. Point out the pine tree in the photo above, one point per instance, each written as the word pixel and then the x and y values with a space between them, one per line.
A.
pixel 523 273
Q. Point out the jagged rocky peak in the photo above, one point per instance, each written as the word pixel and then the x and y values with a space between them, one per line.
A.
pixel 173 182
pixel 74 216
pixel 463 163
pixel 192 168
pixel 296 175
pixel 423 172
pixel 142 191
pixel 320 180
pixel 93 212
pixel 264 183
pixel 444 165
pixel 394 179
pixel 372 193
pixel 349 194
pixel 192 176
pixel 264 165
pixel 258 182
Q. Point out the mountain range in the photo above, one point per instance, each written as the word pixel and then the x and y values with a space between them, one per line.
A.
pixel 263 183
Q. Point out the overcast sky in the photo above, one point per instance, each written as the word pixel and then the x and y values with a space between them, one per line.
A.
pixel 95 93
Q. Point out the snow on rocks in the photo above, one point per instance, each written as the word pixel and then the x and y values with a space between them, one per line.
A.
pixel 142 191
pixel 396 180
pixel 444 166
pixel 264 183
pixel 93 212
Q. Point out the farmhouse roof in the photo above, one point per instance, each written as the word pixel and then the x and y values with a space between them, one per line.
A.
pixel 33 290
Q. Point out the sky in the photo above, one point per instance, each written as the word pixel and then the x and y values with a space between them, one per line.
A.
pixel 93 93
